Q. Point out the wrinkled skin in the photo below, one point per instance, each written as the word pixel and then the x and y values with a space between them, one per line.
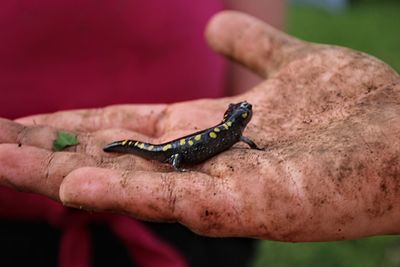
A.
pixel 328 118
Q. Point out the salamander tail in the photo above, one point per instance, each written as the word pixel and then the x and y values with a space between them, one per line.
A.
pixel 123 146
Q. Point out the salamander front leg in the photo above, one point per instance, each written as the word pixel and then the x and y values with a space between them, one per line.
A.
pixel 175 160
pixel 248 141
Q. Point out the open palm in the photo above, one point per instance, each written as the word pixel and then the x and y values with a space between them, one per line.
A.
pixel 328 118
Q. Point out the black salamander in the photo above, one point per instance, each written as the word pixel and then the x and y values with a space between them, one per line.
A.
pixel 196 147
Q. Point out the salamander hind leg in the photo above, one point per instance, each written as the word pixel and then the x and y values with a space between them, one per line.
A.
pixel 175 161
pixel 251 144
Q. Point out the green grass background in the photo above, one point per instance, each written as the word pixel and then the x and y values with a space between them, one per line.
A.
pixel 372 27
pixel 369 26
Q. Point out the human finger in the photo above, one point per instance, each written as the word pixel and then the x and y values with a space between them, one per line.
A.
pixel 140 118
pixel 37 170
pixel 15 133
pixel 44 136
pixel 9 131
pixel 251 42
pixel 195 199
pixel 38 136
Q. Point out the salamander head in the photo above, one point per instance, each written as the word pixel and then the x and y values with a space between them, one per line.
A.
pixel 240 112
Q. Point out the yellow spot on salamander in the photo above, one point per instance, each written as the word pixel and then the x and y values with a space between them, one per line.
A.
pixel 130 143
pixel 217 130
pixel 150 147
pixel 244 115
pixel 136 143
pixel 229 123
pixel 141 145
pixel 182 142
pixel 166 147
pixel 197 137
pixel 190 142
pixel 124 142
pixel 213 135
pixel 225 126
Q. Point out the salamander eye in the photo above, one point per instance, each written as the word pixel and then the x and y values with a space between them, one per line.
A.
pixel 246 105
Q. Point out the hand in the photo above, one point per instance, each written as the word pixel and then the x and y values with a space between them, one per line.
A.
pixel 329 118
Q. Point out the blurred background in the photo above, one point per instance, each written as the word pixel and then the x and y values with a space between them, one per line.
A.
pixel 371 26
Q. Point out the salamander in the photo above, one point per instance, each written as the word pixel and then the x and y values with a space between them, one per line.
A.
pixel 196 147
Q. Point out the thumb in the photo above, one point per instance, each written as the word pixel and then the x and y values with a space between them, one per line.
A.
pixel 251 42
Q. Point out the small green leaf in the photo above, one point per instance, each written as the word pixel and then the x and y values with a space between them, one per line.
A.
pixel 64 139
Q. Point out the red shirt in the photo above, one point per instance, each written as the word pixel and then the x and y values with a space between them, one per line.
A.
pixel 57 55
pixel 65 54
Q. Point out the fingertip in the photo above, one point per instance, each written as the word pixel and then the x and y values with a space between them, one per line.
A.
pixel 138 193
pixel 250 41
pixel 217 25
pixel 87 187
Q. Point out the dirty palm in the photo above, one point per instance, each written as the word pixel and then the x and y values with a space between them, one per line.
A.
pixel 196 147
